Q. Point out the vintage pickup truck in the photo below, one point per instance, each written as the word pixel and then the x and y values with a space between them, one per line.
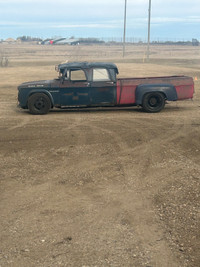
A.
pixel 95 84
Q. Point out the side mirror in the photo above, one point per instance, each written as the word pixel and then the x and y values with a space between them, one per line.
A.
pixel 65 75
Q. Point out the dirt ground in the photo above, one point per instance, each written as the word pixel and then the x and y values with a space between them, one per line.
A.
pixel 100 187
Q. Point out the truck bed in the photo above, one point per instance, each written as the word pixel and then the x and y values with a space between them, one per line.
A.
pixel 126 87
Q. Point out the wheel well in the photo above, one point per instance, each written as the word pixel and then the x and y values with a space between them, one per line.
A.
pixel 168 91
pixel 32 93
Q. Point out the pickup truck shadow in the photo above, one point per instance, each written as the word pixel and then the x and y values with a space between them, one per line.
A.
pixel 96 109
pixel 167 108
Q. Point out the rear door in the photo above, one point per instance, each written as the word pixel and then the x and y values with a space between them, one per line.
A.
pixel 102 88
pixel 74 90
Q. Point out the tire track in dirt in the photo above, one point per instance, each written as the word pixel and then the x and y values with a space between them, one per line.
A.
pixel 125 203
pixel 152 240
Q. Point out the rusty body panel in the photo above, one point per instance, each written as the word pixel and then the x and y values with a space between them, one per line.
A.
pixel 126 87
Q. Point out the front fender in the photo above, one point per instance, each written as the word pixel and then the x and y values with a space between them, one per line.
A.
pixel 44 92
pixel 167 89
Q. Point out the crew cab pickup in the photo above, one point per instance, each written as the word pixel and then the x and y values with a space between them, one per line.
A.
pixel 94 84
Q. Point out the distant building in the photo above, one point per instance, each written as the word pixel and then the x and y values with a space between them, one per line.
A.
pixel 195 42
pixel 67 41
pixel 61 41
pixel 10 41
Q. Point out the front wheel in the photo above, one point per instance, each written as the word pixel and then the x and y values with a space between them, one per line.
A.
pixel 153 102
pixel 39 104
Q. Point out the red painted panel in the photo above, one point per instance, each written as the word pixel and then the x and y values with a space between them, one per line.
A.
pixel 125 92
pixel 185 91
pixel 126 87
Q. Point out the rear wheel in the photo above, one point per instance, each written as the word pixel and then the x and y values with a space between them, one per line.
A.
pixel 39 104
pixel 153 102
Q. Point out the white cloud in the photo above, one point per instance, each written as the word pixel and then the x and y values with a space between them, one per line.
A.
pixel 104 15
pixel 165 20
pixel 95 25
pixel 95 9
pixel 131 23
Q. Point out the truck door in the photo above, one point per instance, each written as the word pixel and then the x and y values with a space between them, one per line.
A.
pixel 74 89
pixel 102 88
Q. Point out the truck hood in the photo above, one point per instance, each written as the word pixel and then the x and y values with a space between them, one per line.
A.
pixel 36 84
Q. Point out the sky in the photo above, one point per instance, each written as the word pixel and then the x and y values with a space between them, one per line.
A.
pixel 170 19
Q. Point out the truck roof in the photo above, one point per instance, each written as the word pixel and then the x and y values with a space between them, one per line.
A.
pixel 86 65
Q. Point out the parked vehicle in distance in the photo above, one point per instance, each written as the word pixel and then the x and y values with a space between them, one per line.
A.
pixel 95 84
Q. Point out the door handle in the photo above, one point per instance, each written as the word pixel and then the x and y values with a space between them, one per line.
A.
pixel 87 83
pixel 110 82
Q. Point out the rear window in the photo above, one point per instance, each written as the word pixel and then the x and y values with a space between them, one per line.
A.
pixel 100 75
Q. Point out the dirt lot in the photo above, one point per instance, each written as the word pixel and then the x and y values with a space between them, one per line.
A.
pixel 99 187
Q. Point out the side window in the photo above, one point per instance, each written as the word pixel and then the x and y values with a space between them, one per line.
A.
pixel 100 75
pixel 77 75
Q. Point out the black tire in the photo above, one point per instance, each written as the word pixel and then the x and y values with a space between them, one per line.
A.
pixel 39 104
pixel 153 102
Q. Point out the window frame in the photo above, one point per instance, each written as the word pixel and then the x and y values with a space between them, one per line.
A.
pixel 69 76
pixel 101 80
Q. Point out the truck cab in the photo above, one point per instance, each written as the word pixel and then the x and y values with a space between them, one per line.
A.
pixel 87 84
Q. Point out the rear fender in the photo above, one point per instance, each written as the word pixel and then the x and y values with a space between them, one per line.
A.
pixel 42 91
pixel 168 90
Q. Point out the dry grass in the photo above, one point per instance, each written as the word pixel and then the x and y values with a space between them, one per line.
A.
pixel 34 62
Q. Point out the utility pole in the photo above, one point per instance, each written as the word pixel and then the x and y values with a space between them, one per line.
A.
pixel 124 39
pixel 149 23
